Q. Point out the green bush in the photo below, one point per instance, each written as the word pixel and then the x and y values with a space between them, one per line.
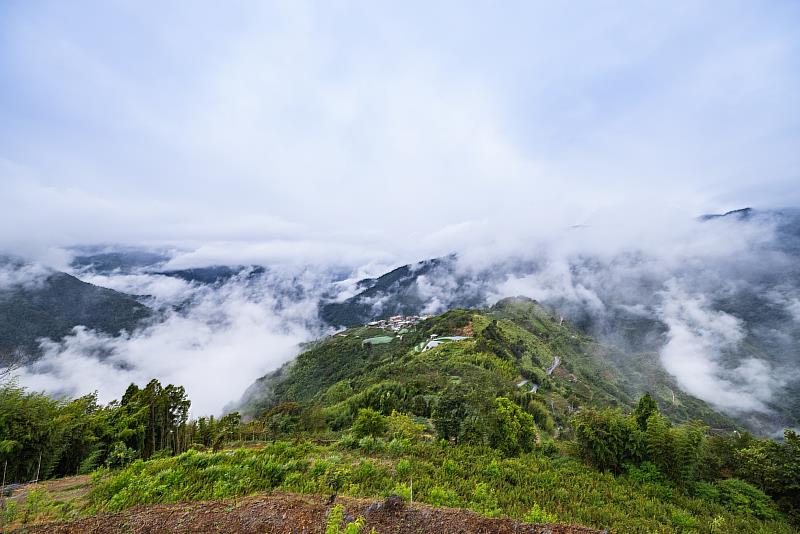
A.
pixel 402 427
pixel 479 478
pixel 683 521
pixel 742 497
pixel 537 515
pixel 484 501
pixel 442 497
pixel 368 422
pixel 371 444
pixel 516 430
pixel 646 472
pixel 336 520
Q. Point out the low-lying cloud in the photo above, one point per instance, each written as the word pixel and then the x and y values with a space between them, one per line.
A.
pixel 717 299
pixel 213 340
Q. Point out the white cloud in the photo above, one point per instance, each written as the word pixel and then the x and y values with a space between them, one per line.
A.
pixel 220 341
pixel 336 132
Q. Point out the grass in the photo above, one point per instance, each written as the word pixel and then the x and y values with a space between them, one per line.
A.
pixel 533 487
pixel 379 340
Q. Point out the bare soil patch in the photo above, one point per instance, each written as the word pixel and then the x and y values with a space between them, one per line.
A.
pixel 293 514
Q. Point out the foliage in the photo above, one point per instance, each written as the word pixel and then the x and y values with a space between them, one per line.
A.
pixel 515 430
pixel 336 519
pixel 369 423
pixel 537 515
pixel 403 427
pixel 774 468
pixel 608 439
pixel 501 448
pixel 479 478
pixel 744 498
pixel 644 409
pixel 52 437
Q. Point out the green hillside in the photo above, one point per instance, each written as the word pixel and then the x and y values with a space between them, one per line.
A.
pixel 515 349
pixel 509 412
pixel 52 308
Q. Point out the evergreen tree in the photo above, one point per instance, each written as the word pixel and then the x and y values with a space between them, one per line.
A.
pixel 647 406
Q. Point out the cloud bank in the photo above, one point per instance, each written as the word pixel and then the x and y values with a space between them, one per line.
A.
pixel 348 133
pixel 213 340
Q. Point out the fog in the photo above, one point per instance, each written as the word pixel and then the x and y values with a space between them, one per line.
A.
pixel 214 340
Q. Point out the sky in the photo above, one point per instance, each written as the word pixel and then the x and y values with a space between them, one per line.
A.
pixel 353 132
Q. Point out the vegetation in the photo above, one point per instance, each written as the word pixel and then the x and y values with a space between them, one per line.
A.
pixel 458 421
pixel 53 307
pixel 336 519
pixel 41 437
pixel 539 486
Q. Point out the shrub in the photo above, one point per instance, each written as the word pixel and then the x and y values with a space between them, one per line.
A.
pixel 537 515
pixel 348 441
pixel 403 427
pixel 484 501
pixel 401 490
pixel 398 447
pixel 443 497
pixel 369 423
pixel 646 472
pixel 336 520
pixel 684 521
pixel 403 468
pixel 607 439
pixel 9 511
pixel 120 455
pixel 371 444
pixel 742 497
pixel 516 430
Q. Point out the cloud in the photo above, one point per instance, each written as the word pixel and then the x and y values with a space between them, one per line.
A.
pixel 337 132
pixel 14 274
pixel 697 339
pixel 215 344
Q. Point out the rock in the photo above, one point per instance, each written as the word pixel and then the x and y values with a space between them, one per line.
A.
pixel 393 503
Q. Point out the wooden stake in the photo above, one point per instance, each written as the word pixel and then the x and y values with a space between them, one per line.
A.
pixel 38 467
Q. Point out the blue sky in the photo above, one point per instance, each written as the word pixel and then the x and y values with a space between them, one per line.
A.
pixel 347 130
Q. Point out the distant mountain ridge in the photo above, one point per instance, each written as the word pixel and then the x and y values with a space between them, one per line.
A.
pixel 55 305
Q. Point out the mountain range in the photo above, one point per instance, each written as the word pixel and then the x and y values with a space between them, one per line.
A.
pixel 743 309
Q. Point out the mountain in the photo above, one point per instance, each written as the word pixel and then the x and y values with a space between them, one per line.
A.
pixel 104 260
pixel 215 274
pixel 53 304
pixel 394 293
pixel 738 308
pixel 516 348
pixel 741 213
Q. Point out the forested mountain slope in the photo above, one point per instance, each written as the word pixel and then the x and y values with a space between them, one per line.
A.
pixel 52 306
pixel 515 349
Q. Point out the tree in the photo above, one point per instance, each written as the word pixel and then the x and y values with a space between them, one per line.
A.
pixel 608 439
pixel 774 468
pixel 164 410
pixel 647 406
pixel 369 423
pixel 449 414
pixel 515 430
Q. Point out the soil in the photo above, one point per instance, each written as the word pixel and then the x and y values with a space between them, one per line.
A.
pixel 293 514
pixel 61 489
